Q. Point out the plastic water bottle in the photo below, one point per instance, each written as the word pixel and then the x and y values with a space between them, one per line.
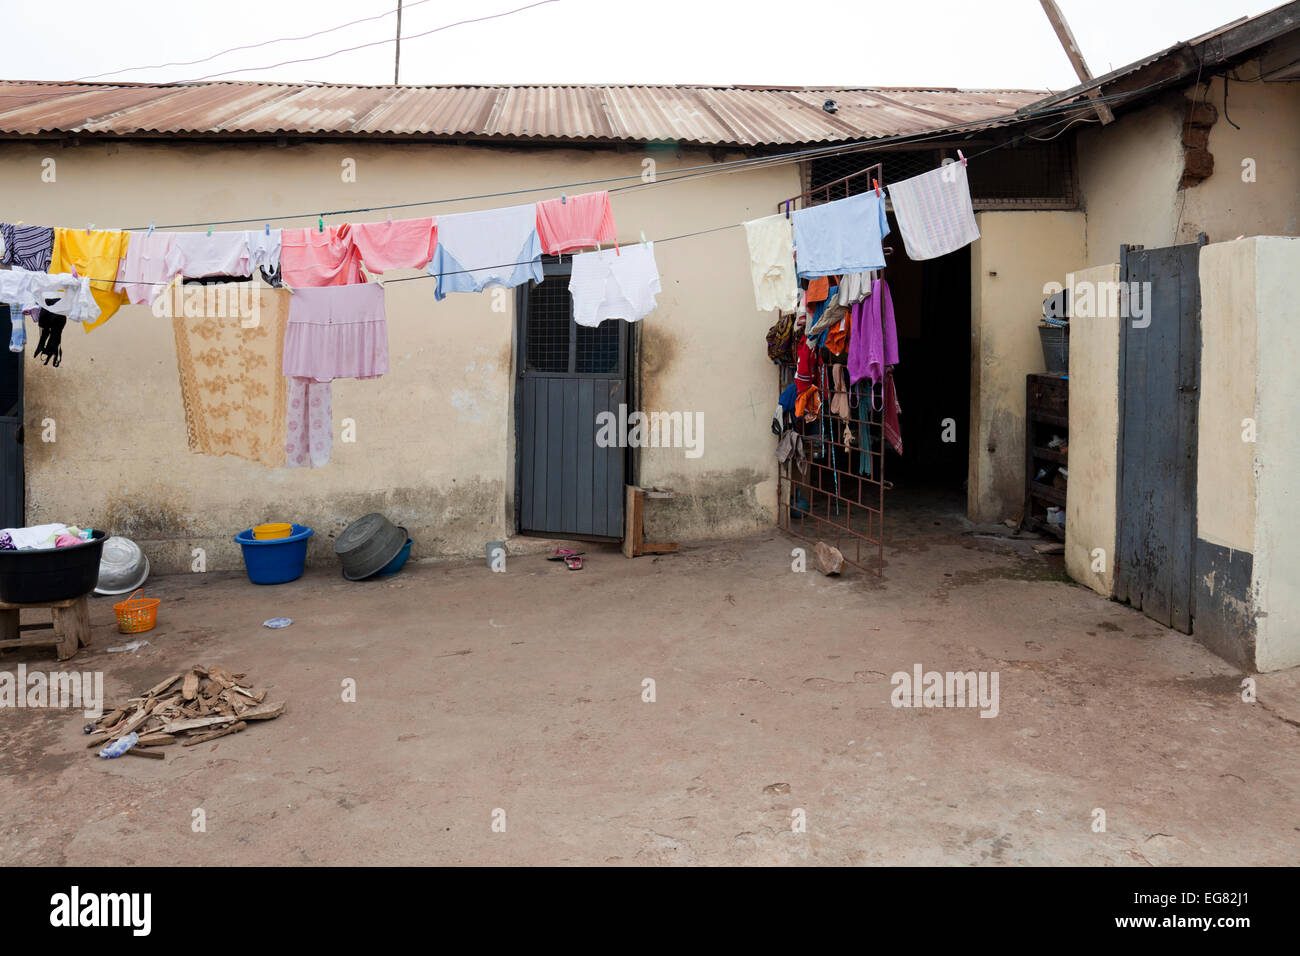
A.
pixel 120 746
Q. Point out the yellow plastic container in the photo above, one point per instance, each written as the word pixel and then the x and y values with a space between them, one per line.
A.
pixel 269 532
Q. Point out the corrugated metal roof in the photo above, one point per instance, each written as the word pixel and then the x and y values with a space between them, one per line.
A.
pixel 1200 55
pixel 702 115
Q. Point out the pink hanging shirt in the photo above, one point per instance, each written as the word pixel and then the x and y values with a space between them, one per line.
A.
pixel 310 258
pixel 404 244
pixel 575 223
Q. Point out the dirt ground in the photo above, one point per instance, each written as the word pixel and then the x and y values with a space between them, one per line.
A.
pixel 523 692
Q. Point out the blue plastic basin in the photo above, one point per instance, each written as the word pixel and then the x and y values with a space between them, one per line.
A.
pixel 278 560
pixel 395 565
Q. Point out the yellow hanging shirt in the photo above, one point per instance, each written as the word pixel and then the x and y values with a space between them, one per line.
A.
pixel 96 256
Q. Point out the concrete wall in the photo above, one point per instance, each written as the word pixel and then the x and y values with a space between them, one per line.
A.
pixel 1248 558
pixel 1094 439
pixel 1128 178
pixel 1225 205
pixel 1276 578
pixel 1129 174
pixel 434 437
pixel 1129 171
pixel 1224 616
pixel 1017 254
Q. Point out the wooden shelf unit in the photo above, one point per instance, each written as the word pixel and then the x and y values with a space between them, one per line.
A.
pixel 1047 414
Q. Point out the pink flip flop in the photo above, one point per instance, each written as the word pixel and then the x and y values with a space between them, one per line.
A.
pixel 562 554
pixel 573 562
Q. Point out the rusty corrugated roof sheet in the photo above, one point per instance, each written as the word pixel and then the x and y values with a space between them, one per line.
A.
pixel 701 115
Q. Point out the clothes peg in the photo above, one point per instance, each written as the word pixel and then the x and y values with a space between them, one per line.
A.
pixel 89 226
pixel 961 157
pixel 787 209
pixel 876 183
pixel 617 251
pixel 643 242
pixel 209 230
pixel 390 217
pixel 564 199
pixel 268 228
pixel 320 223
pixel 151 228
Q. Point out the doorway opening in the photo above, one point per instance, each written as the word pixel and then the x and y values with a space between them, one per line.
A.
pixel 851 465
pixel 932 310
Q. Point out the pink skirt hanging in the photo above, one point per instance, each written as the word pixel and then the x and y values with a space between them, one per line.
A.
pixel 336 332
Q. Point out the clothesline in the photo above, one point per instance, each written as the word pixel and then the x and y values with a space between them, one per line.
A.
pixel 449 272
pixel 93 274
pixel 693 172
pixel 501 265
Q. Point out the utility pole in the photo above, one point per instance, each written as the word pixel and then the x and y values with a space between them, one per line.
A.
pixel 1076 56
pixel 397 54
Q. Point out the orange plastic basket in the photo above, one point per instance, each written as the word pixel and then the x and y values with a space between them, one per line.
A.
pixel 136 615
pixel 272 532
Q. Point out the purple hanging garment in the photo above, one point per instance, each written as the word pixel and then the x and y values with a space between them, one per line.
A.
pixel 873 338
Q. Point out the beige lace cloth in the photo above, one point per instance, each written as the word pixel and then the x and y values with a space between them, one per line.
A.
pixel 232 386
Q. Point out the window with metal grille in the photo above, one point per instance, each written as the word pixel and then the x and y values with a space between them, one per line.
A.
pixel 1029 176
pixel 550 311
pixel 555 343
pixel 597 349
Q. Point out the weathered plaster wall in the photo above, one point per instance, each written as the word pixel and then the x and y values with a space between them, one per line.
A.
pixel 1128 177
pixel 1018 253
pixel 1225 205
pixel 1129 171
pixel 1276 584
pixel 1248 557
pixel 711 359
pixel 1225 509
pixel 1094 437
pixel 434 442
pixel 1226 517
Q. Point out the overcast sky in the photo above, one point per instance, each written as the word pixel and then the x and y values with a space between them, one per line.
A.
pixel 975 43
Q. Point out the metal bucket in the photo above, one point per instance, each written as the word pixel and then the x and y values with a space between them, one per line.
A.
pixel 1056 347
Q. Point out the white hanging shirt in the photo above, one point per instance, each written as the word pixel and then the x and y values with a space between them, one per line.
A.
pixel 771 263
pixel 492 247
pixel 196 254
pixel 614 284
pixel 63 293
pixel 264 249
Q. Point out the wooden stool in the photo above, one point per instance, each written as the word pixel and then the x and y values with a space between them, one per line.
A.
pixel 71 626
pixel 634 543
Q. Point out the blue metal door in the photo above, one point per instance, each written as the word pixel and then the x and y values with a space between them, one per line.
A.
pixel 1159 377
pixel 567 485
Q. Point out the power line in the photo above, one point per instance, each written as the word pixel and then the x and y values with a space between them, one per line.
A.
pixel 255 46
pixel 363 46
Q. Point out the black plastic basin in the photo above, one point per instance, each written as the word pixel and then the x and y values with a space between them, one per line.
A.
pixel 54 574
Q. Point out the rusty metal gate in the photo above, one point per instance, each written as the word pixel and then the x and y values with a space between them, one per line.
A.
pixel 837 493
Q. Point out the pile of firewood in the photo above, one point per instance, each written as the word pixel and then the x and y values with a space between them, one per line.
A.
pixel 210 702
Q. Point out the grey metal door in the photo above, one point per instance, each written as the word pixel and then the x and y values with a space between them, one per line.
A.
pixel 11 434
pixel 1159 375
pixel 567 485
